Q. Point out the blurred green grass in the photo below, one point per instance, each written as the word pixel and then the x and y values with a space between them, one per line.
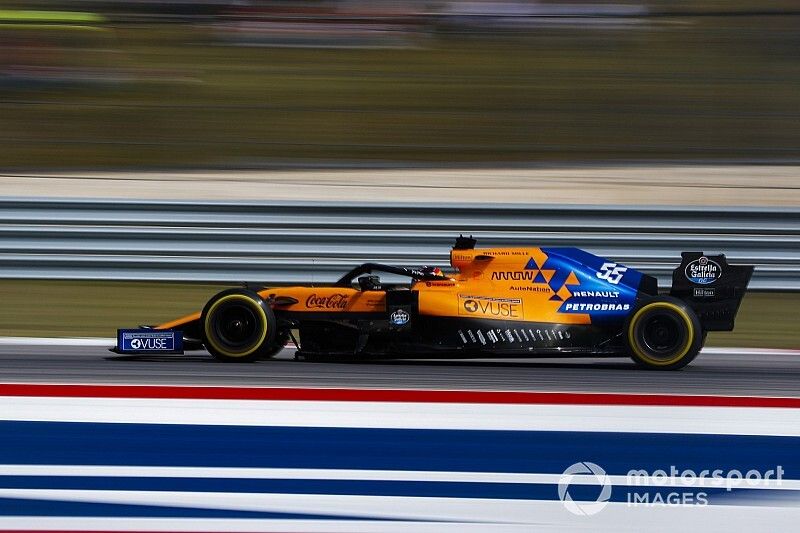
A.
pixel 93 308
pixel 96 308
pixel 675 88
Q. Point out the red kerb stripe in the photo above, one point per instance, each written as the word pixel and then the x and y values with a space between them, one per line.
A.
pixel 386 395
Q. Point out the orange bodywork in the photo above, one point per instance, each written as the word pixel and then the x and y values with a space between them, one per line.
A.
pixel 491 284
pixel 487 284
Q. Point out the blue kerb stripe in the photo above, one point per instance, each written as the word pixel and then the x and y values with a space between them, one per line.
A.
pixel 426 489
pixel 386 449
pixel 32 507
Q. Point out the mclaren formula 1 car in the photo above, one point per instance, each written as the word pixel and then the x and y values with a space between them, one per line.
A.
pixel 502 302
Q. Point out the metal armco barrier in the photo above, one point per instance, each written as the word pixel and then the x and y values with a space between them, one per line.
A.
pixel 279 242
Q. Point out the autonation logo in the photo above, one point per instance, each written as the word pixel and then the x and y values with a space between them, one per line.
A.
pixel 585 489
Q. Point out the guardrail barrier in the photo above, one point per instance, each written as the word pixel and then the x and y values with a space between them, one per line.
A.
pixel 283 242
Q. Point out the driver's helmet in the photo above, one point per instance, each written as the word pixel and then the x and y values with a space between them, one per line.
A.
pixel 369 283
pixel 433 271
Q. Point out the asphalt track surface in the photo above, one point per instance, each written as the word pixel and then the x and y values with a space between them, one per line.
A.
pixel 740 373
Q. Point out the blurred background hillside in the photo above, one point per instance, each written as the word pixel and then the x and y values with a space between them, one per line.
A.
pixel 250 84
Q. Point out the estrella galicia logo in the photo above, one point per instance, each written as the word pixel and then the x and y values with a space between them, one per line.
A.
pixel 399 317
pixel 703 271
pixel 595 475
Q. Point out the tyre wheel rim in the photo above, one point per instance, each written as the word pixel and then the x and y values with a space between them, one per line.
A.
pixel 662 335
pixel 236 326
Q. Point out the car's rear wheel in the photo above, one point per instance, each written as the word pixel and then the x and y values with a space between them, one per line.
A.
pixel 238 326
pixel 663 333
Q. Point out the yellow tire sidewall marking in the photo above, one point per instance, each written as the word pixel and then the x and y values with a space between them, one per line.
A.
pixel 661 305
pixel 250 303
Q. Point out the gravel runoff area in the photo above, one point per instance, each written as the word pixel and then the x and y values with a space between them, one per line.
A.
pixel 735 185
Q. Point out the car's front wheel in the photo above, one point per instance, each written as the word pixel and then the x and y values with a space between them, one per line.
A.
pixel 238 326
pixel 663 333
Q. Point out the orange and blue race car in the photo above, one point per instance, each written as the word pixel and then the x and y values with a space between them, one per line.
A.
pixel 497 302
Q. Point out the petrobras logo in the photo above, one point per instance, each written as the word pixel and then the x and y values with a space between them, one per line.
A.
pixel 583 307
pixel 703 271
pixel 602 302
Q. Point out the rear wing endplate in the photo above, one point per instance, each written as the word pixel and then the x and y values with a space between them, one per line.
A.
pixel 712 287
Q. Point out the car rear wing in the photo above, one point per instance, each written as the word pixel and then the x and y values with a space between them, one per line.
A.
pixel 712 287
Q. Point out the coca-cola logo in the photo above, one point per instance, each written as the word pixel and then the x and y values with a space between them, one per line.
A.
pixel 333 301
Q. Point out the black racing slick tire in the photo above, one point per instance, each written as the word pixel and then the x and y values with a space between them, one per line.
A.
pixel 238 326
pixel 663 333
